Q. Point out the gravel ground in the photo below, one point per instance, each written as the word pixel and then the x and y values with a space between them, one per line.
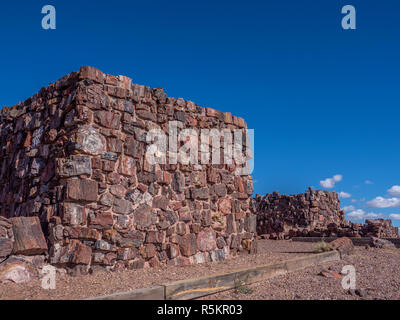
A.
pixel 377 275
pixel 100 283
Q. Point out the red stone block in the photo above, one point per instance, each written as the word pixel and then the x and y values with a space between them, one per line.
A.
pixel 6 247
pixel 28 236
pixel 108 119
pixel 127 166
pixel 102 219
pixel 206 240
pixel 82 189
pixel 82 254
pixel 188 245
pixel 224 205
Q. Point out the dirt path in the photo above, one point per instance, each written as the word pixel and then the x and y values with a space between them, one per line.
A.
pixel 377 275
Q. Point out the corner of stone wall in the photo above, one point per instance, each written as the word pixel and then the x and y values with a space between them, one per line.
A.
pixel 108 207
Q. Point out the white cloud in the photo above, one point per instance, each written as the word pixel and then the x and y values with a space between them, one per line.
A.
pixel 395 216
pixel 380 202
pixel 349 208
pixel 344 195
pixel 394 191
pixel 361 214
pixel 356 214
pixel 329 183
pixel 368 182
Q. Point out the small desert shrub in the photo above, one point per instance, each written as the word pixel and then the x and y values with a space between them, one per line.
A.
pixel 241 287
pixel 321 247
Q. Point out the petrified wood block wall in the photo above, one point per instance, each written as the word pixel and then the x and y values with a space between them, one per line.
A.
pixel 380 228
pixel 74 155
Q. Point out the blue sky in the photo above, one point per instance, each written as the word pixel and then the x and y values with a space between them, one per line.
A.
pixel 323 101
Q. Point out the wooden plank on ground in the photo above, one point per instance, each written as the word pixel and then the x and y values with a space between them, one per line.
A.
pixel 151 293
pixel 194 288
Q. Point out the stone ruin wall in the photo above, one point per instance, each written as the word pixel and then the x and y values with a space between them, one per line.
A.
pixel 315 213
pixel 74 156
pixel 380 228
pixel 296 215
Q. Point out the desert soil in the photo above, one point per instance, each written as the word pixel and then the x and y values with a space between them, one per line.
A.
pixel 377 278
pixel 378 275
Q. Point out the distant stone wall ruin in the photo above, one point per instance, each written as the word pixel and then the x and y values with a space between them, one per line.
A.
pixel 315 213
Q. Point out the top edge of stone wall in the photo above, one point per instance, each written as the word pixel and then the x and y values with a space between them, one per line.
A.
pixel 276 194
pixel 61 83
pixel 122 82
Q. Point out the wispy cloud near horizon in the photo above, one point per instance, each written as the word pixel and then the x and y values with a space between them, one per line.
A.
pixel 329 183
pixel 381 202
pixel 360 214
pixel 344 195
